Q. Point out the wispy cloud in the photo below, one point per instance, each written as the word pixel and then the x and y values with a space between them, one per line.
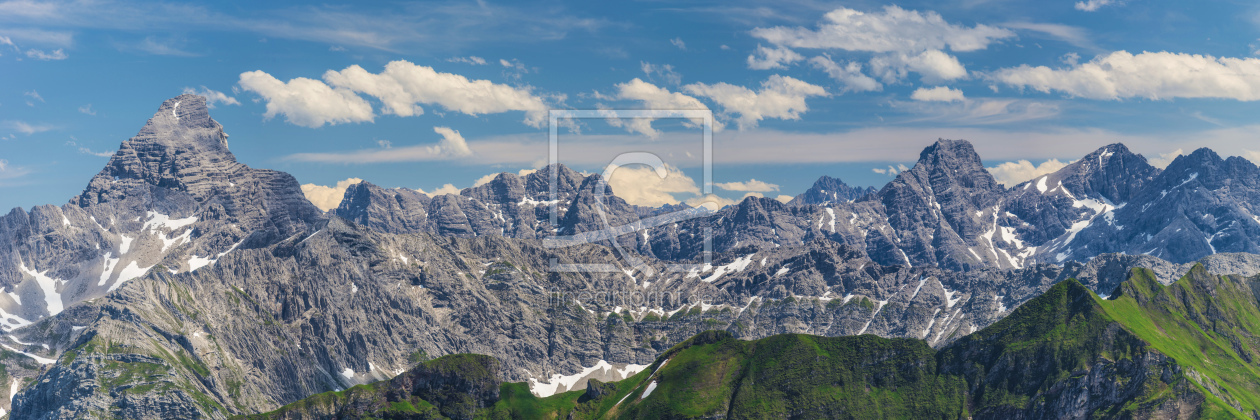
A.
pixel 751 185
pixel 28 128
pixel 155 46
pixel 874 144
pixel 1094 5
pixel 212 96
pixel 447 25
pixel 1073 35
pixel 452 146
pixel 54 55
pixel 86 151
pixel 472 59
pixel 8 173
pixel 961 111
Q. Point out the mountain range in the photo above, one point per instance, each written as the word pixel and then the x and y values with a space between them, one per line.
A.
pixel 181 283
pixel 1186 350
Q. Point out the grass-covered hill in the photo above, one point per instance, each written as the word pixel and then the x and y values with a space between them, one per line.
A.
pixel 1184 351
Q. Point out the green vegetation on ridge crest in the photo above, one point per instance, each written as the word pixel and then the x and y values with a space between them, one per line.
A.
pixel 1187 350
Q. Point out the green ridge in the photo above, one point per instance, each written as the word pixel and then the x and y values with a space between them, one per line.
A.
pixel 1188 350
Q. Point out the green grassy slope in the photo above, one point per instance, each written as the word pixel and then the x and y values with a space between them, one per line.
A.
pixel 1208 323
pixel 1189 350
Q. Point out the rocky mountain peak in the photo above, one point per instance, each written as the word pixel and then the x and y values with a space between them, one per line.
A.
pixel 948 172
pixel 831 190
pixel 567 182
pixel 184 116
pixel 1112 172
pixel 180 148
pixel 948 151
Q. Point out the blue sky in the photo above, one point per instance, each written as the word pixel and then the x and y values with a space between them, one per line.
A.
pixel 421 95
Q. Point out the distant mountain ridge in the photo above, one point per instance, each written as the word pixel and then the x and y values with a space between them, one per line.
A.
pixel 1182 351
pixel 222 288
pixel 948 211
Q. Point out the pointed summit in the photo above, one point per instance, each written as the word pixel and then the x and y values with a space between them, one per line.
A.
pixel 956 161
pixel 1111 173
pixel 179 148
pixel 828 190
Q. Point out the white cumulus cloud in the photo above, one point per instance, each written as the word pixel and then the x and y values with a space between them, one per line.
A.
pixel 1011 174
pixel 933 66
pixel 772 58
pixel 443 190
pixel 641 185
pixel 653 97
pixel 307 102
pixel 937 94
pixel 402 87
pixel 780 97
pixel 452 144
pixel 1151 75
pixel 325 197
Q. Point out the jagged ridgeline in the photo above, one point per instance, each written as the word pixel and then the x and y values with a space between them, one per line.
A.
pixel 184 284
pixel 1183 351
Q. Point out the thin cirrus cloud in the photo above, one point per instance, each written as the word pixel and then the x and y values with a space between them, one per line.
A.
pixel 871 144
pixel 1094 5
pixel 937 94
pixel 848 74
pixel 54 55
pixel 401 26
pixel 452 146
pixel 752 185
pixel 28 128
pixel 1150 75
pixel 941 105
pixel 402 87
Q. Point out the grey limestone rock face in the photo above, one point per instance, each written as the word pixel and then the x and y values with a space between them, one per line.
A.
pixel 1199 205
pixel 184 284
